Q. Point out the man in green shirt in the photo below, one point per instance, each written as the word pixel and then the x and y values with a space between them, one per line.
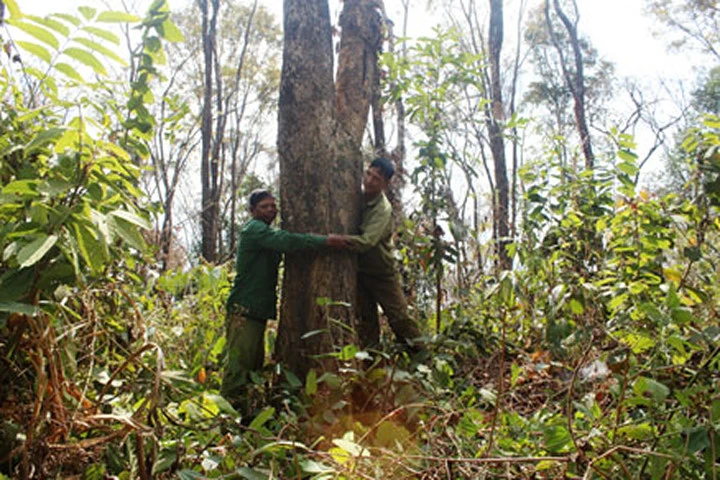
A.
pixel 378 279
pixel 252 299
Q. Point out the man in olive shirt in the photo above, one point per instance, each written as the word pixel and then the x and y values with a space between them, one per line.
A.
pixel 252 299
pixel 378 280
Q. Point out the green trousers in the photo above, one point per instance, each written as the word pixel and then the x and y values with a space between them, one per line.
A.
pixel 383 290
pixel 244 353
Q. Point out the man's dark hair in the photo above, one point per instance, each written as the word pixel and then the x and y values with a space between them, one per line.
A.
pixel 385 166
pixel 259 195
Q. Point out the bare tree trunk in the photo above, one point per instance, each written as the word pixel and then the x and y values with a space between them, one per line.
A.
pixel 575 83
pixel 208 169
pixel 319 185
pixel 497 143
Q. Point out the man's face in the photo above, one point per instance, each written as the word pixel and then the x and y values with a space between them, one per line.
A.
pixel 265 210
pixel 374 182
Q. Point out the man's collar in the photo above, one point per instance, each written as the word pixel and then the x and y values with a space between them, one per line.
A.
pixel 374 201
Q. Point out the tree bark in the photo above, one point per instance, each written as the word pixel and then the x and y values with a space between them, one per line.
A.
pixel 320 168
pixel 495 130
pixel 208 169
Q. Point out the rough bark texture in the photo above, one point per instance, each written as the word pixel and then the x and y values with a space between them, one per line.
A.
pixel 497 143
pixel 208 169
pixel 319 188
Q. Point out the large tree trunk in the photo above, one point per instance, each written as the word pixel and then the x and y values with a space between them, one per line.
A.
pixel 320 168
pixel 497 142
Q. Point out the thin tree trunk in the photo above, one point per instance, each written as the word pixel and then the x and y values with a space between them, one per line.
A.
pixel 497 142
pixel 575 83
pixel 207 169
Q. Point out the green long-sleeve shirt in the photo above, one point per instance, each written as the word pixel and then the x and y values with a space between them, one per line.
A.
pixel 256 266
pixel 374 243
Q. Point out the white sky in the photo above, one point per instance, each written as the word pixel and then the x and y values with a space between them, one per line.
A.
pixel 618 28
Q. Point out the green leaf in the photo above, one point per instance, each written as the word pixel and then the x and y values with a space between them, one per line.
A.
pixel 171 32
pixel 35 49
pixel 100 49
pixel 311 383
pixel 644 431
pixel 117 17
pixel 12 7
pixel 222 404
pixel 251 474
pixel 189 475
pixel 645 386
pixel 31 253
pixel 557 438
pixel 69 71
pixel 51 23
pixel 104 34
pixel 16 307
pixel 262 418
pixel 131 218
pixel 38 33
pixel 87 12
pixel 92 251
pixel 86 58
pixel 27 188
pixel 69 18
pixel 127 231
pixel 167 457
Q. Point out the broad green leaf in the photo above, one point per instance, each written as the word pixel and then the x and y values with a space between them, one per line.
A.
pixel 104 34
pixel 12 7
pixel 100 49
pixel 51 23
pixel 44 138
pixel 167 457
pixel 16 307
pixel 557 438
pixel 117 17
pixel 131 218
pixel 31 253
pixel 645 386
pixel 222 404
pixel 311 466
pixel 262 418
pixel 35 49
pixel 69 71
pixel 91 250
pixel 170 31
pixel 27 188
pixel 351 447
pixel 86 58
pixel 38 33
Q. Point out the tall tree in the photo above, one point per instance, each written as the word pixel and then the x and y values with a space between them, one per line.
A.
pixel 494 119
pixel 208 160
pixel 320 131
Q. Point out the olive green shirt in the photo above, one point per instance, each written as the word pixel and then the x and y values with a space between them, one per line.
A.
pixel 374 244
pixel 256 266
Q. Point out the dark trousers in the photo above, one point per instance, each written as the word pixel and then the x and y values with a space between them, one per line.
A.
pixel 244 353
pixel 383 290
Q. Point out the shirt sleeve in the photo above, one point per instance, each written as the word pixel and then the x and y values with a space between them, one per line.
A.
pixel 373 228
pixel 284 241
